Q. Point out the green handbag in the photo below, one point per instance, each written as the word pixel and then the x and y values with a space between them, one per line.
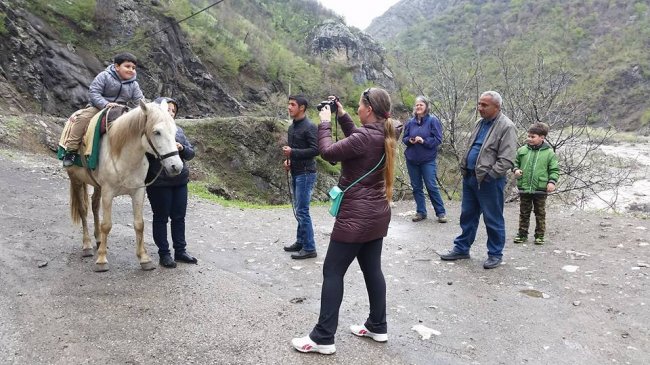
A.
pixel 336 194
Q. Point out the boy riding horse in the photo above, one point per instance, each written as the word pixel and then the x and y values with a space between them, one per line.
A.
pixel 114 86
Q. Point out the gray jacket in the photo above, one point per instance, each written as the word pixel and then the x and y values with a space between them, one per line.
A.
pixel 107 87
pixel 498 152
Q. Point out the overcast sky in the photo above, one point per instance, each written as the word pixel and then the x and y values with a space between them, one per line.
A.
pixel 358 12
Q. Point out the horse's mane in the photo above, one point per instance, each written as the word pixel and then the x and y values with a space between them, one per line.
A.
pixel 130 125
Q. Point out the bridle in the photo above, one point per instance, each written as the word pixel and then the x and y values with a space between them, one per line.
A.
pixel 159 157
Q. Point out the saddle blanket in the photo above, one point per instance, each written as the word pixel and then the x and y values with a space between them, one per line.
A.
pixel 90 141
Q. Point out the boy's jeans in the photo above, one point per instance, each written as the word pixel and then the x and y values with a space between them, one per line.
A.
pixel 303 185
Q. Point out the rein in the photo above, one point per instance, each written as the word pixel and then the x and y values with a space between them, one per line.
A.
pixel 290 191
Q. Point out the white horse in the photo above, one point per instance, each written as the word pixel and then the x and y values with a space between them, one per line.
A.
pixel 121 170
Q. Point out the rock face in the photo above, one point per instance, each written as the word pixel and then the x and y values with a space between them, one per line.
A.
pixel 336 42
pixel 37 68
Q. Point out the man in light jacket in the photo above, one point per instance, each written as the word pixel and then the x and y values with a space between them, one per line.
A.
pixel 491 153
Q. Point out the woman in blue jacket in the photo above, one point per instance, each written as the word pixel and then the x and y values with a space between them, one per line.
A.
pixel 422 136
pixel 168 198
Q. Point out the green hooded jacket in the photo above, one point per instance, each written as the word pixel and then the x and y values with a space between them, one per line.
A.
pixel 539 167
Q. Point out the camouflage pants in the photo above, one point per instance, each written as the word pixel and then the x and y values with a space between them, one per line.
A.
pixel 529 202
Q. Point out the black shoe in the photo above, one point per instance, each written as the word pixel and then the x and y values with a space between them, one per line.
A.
pixel 492 262
pixel 454 255
pixel 419 217
pixel 302 254
pixel 186 258
pixel 68 159
pixel 293 248
pixel 167 261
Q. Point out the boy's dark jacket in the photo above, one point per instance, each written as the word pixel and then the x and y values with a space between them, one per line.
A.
pixel 539 167
pixel 303 140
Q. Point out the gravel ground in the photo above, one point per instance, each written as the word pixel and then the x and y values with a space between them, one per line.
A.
pixel 580 299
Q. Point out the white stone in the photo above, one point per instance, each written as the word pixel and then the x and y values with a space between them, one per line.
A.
pixel 425 332
pixel 570 268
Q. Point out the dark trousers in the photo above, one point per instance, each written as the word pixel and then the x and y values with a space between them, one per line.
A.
pixel 168 202
pixel 536 203
pixel 338 259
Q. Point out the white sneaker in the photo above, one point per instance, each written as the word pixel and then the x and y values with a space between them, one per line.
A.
pixel 305 344
pixel 362 331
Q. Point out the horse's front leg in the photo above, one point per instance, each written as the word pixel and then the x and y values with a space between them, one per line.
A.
pixel 101 264
pixel 137 201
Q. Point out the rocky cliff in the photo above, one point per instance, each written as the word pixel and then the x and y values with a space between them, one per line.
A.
pixel 365 57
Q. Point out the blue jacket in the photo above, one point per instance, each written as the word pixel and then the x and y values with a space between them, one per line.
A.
pixel 181 179
pixel 107 87
pixel 430 129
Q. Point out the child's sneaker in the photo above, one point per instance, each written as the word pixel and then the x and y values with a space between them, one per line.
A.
pixel 305 344
pixel 362 331
pixel 520 238
pixel 539 240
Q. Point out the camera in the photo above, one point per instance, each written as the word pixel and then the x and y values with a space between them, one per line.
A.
pixel 331 103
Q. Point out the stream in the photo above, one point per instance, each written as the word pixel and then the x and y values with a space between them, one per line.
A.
pixel 633 198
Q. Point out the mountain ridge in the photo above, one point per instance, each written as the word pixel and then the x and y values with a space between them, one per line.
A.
pixel 604 44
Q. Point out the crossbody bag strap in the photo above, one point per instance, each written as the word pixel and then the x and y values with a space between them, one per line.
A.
pixel 367 173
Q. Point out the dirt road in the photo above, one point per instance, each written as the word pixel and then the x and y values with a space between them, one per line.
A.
pixel 583 298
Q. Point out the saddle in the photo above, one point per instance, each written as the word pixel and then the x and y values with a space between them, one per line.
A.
pixel 110 116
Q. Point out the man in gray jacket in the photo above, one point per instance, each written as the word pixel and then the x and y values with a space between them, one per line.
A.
pixel 491 153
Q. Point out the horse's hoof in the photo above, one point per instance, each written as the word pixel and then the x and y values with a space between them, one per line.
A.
pixel 87 252
pixel 101 267
pixel 146 266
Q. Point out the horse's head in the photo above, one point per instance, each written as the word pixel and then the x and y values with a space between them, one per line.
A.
pixel 160 137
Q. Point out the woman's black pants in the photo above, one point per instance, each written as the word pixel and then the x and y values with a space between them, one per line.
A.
pixel 338 259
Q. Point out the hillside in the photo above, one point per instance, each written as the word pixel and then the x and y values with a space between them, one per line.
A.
pixel 602 44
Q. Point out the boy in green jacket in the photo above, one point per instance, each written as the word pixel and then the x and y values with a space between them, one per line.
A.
pixel 537 171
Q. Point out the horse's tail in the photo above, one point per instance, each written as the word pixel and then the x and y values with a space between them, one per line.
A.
pixel 78 201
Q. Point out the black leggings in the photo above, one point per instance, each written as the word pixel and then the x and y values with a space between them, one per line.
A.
pixel 338 259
